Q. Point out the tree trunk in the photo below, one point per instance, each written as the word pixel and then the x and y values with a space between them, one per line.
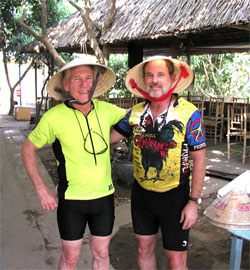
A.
pixel 12 89
pixel 12 105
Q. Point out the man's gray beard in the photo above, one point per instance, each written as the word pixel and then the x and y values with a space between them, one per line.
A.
pixel 155 94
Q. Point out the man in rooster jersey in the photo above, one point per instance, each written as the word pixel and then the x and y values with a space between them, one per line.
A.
pixel 167 133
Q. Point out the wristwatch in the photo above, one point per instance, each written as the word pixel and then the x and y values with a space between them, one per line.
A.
pixel 197 200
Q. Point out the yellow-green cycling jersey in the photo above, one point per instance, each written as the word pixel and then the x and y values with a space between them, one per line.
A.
pixel 81 147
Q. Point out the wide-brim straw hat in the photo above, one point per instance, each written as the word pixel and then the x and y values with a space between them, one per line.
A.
pixel 105 81
pixel 136 73
pixel 231 211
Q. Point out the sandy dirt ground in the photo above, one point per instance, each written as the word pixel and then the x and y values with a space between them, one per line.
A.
pixel 209 246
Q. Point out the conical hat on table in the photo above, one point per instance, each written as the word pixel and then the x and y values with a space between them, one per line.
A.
pixel 232 211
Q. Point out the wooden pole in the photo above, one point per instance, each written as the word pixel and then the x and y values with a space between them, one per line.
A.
pixel 135 53
pixel 188 61
pixel 36 87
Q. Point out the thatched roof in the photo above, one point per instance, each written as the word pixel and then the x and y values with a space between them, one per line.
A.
pixel 201 23
pixel 154 19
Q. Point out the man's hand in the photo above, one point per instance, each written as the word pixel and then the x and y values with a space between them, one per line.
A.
pixel 47 199
pixel 189 215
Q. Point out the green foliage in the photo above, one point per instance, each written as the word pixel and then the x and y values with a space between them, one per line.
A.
pixel 119 63
pixel 8 24
pixel 222 74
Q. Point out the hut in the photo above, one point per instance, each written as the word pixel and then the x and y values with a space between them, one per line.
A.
pixel 146 27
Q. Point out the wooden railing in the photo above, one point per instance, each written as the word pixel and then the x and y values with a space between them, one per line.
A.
pixel 124 102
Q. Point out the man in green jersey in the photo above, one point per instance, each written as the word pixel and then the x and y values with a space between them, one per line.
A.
pixel 79 129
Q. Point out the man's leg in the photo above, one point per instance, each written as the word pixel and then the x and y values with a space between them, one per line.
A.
pixel 145 225
pixel 70 254
pixel 146 251
pixel 177 259
pixel 174 238
pixel 100 251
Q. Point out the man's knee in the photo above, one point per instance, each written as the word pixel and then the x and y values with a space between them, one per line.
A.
pixel 145 252
pixel 177 259
pixel 70 252
pixel 177 264
pixel 69 258
pixel 146 245
pixel 100 253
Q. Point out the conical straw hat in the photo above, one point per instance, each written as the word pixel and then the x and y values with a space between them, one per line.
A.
pixel 136 73
pixel 104 83
pixel 232 211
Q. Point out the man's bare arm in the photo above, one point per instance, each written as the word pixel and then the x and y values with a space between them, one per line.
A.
pixel 190 212
pixel 198 172
pixel 115 136
pixel 46 197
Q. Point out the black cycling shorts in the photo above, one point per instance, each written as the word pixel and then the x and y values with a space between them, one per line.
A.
pixel 151 210
pixel 73 215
